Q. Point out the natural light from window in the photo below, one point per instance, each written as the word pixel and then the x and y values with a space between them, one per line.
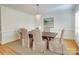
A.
pixel 77 25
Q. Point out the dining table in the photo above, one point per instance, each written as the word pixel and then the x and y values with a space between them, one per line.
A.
pixel 46 36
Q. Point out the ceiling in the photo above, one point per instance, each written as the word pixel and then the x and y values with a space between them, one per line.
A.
pixel 43 8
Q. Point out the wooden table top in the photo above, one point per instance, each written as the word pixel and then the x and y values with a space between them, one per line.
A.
pixel 49 34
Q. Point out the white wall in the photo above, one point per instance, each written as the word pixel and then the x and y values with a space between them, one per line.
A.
pixel 0 26
pixel 77 24
pixel 12 20
pixel 63 19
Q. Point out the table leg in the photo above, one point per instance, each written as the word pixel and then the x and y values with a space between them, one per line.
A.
pixel 48 39
pixel 47 44
pixel 31 42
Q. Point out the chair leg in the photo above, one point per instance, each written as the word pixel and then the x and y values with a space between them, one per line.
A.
pixel 62 50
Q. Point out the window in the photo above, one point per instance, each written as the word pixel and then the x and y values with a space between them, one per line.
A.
pixel 77 26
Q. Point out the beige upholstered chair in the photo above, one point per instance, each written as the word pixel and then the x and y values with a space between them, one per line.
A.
pixel 24 37
pixel 38 44
pixel 57 45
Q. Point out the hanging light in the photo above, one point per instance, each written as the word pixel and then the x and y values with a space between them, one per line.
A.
pixel 38 16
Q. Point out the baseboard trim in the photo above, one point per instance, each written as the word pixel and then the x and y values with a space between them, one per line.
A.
pixel 10 42
pixel 68 39
pixel 76 42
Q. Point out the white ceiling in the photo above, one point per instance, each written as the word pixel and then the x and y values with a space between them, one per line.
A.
pixel 43 8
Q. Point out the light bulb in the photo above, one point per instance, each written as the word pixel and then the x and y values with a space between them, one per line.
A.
pixel 38 17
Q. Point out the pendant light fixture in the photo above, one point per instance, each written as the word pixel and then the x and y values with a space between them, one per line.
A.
pixel 38 16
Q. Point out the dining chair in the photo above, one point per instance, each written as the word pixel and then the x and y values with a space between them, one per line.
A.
pixel 38 44
pixel 24 37
pixel 57 45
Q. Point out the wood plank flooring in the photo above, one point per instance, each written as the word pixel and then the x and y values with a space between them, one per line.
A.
pixel 72 46
pixel 4 50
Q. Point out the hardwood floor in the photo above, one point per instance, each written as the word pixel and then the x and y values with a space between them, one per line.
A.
pixel 72 46
pixel 4 50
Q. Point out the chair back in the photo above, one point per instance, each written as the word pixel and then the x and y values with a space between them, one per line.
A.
pixel 37 35
pixel 25 37
pixel 61 36
pixel 37 40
